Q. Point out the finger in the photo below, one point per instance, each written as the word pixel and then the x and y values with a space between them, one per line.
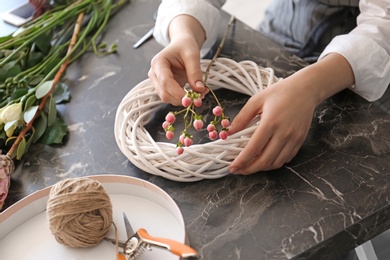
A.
pixel 255 146
pixel 250 110
pixel 164 95
pixel 279 150
pixel 194 74
pixel 288 152
pixel 273 157
pixel 166 86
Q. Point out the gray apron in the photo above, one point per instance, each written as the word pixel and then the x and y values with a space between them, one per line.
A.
pixel 305 27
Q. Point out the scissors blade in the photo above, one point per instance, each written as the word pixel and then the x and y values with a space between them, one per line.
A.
pixel 144 38
pixel 129 229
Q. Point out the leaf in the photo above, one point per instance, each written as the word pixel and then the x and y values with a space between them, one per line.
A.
pixel 61 93
pixel 21 149
pixel 50 66
pixel 11 69
pixel 5 38
pixel 29 102
pixel 55 133
pixel 40 126
pixel 43 89
pixel 34 58
pixel 19 92
pixel 3 137
pixel 3 75
pixel 30 139
pixel 35 80
pixel 10 141
pixel 30 113
pixel 52 111
pixel 43 42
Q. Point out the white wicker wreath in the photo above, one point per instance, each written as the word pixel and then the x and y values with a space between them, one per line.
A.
pixel 199 161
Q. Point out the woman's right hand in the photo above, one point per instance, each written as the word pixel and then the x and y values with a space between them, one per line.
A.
pixel 179 62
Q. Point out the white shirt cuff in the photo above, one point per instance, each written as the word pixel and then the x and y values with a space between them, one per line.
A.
pixel 207 15
pixel 369 61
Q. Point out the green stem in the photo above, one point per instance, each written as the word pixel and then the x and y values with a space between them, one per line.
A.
pixel 43 24
pixel 215 96
pixel 105 20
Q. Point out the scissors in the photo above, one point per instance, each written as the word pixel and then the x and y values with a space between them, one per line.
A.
pixel 138 242
pixel 147 36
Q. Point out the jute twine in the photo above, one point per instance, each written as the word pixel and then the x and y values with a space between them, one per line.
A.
pixel 79 212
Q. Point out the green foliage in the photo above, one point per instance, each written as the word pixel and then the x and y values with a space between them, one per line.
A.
pixel 54 134
pixel 31 57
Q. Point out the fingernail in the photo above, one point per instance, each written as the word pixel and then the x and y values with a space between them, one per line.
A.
pixel 233 170
pixel 199 84
pixel 204 93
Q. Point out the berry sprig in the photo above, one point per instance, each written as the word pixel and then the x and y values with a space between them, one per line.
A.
pixel 217 127
pixel 191 100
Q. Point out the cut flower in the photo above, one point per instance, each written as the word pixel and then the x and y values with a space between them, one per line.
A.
pixel 10 113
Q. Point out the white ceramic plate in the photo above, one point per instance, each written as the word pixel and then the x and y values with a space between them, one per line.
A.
pixel 25 233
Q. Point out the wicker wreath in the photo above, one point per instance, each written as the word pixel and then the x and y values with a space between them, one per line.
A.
pixel 199 161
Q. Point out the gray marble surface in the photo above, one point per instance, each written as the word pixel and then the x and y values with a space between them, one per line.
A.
pixel 332 197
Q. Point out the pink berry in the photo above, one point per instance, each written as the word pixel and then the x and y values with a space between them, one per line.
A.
pixel 170 118
pixel 217 111
pixel 179 150
pixel 210 127
pixel 213 135
pixel 181 139
pixel 186 101
pixel 165 125
pixel 223 135
pixel 187 141
pixel 198 124
pixel 198 102
pixel 225 122
pixel 169 135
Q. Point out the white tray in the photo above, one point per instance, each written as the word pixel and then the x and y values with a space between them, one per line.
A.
pixel 25 233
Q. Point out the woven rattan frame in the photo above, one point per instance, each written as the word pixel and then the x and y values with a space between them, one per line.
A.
pixel 199 161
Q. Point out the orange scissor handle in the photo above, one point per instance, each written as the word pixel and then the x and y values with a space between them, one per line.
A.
pixel 175 247
pixel 121 257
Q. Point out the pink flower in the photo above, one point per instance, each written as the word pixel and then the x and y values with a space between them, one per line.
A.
pixel 181 138
pixel 198 124
pixel 210 127
pixel 170 118
pixel 165 125
pixel 223 135
pixel 198 102
pixel 187 141
pixel 225 122
pixel 217 111
pixel 179 150
pixel 186 101
pixel 213 135
pixel 169 134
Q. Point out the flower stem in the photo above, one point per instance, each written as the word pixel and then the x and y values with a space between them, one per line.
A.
pixel 55 81
pixel 232 19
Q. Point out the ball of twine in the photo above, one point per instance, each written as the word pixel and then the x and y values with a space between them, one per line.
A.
pixel 199 161
pixel 79 212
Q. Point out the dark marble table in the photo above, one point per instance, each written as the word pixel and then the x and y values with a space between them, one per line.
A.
pixel 331 198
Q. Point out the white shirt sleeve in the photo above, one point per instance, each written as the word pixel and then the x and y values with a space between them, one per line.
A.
pixel 367 49
pixel 206 12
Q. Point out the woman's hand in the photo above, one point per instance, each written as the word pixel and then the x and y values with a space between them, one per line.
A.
pixel 179 62
pixel 285 113
pixel 286 110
